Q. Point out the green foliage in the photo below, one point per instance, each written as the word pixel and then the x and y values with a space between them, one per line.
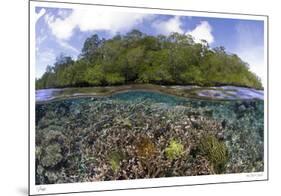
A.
pixel 215 151
pixel 91 47
pixel 174 150
pixel 95 75
pixel 193 75
pixel 139 58
pixel 114 78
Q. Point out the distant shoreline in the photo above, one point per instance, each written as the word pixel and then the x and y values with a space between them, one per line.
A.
pixel 167 85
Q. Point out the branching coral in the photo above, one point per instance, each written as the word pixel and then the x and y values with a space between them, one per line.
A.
pixel 51 155
pixel 174 150
pixel 145 148
pixel 215 151
pixel 114 160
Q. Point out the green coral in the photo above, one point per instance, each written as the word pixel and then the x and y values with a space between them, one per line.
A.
pixel 215 151
pixel 114 160
pixel 174 150
pixel 51 156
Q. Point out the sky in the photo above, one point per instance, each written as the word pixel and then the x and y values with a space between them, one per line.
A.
pixel 63 31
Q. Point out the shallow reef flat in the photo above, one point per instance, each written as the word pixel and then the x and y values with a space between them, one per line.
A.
pixel 146 134
pixel 187 91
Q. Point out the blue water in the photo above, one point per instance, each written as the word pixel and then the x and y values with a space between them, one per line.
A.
pixel 218 93
pixel 155 97
pixel 46 94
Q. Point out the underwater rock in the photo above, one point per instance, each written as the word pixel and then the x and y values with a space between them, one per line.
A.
pixel 223 123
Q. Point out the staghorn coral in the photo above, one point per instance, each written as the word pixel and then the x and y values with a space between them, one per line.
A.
pixel 201 166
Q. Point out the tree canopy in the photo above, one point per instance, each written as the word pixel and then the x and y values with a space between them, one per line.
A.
pixel 139 58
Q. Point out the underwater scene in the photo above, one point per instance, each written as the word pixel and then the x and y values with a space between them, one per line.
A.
pixel 137 134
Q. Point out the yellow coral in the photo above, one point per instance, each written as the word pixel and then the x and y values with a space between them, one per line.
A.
pixel 174 150
pixel 145 148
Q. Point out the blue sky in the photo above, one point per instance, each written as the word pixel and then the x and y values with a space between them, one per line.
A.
pixel 64 31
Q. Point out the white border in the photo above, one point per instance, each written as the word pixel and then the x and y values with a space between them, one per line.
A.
pixel 140 183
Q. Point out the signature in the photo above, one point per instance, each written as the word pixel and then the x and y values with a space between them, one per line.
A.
pixel 255 175
pixel 41 189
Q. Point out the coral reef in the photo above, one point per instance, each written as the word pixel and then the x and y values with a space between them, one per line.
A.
pixel 145 135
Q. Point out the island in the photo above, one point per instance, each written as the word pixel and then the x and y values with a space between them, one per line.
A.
pixel 137 58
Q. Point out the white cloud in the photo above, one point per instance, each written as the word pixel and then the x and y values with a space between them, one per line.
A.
pixel 41 39
pixel 250 49
pixel 44 58
pixel 67 46
pixel 61 28
pixel 255 58
pixel 63 13
pixel 93 20
pixel 40 14
pixel 173 25
pixel 203 31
